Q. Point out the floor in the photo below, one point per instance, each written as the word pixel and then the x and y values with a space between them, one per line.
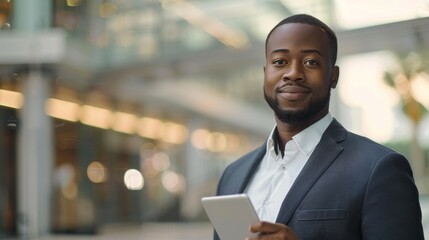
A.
pixel 152 231
pixel 168 231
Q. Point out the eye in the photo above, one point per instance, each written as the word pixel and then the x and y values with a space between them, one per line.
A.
pixel 311 63
pixel 279 62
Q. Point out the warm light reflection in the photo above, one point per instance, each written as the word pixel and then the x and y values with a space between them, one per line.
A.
pixel 62 109
pixel 107 9
pixel 173 182
pixel 150 128
pixel 124 122
pixel 402 84
pixel 11 99
pixel 73 3
pixel 216 142
pixel 420 89
pixel 147 153
pixel 65 178
pixel 133 179
pixel 368 92
pixel 174 133
pixel 381 127
pixel 169 132
pixel 96 117
pixel 233 143
pixel 97 172
pixel 358 14
pixel 70 191
pixel 198 138
pixel 160 161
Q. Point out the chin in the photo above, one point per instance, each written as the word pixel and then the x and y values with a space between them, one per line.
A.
pixel 297 112
pixel 292 117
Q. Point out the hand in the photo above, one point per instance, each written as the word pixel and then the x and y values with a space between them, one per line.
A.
pixel 273 231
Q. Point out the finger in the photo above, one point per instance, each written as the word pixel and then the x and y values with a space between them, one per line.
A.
pixel 255 227
pixel 266 227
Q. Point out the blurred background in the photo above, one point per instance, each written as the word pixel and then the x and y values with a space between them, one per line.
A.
pixel 117 116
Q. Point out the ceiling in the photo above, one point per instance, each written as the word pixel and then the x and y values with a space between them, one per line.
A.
pixel 133 49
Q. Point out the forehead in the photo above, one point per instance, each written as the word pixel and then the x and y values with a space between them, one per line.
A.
pixel 298 36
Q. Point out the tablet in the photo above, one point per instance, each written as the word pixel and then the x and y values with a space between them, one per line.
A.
pixel 231 215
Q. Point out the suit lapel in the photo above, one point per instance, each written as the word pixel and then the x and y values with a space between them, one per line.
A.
pixel 325 153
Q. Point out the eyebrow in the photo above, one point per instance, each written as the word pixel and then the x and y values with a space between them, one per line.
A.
pixel 282 50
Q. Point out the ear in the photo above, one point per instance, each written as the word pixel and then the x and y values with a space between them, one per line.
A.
pixel 334 76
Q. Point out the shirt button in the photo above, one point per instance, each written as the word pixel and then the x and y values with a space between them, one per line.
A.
pixel 266 202
pixel 283 167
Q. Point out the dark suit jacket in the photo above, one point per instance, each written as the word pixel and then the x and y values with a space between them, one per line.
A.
pixel 350 188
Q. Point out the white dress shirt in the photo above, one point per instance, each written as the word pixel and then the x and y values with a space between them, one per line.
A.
pixel 275 175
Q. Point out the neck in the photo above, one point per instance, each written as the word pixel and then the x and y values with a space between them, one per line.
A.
pixel 287 130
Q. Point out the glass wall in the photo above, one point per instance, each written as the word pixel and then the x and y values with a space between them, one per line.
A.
pixel 8 147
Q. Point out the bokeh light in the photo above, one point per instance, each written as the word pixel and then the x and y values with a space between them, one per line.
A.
pixel 198 138
pixel 160 161
pixel 133 179
pixel 173 182
pixel 97 172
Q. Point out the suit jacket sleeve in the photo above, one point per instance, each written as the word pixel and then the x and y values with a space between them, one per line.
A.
pixel 390 208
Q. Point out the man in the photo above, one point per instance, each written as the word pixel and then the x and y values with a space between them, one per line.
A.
pixel 313 179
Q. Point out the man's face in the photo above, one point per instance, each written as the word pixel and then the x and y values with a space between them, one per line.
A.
pixel 298 73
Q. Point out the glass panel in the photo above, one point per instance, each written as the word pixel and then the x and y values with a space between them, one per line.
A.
pixel 5 14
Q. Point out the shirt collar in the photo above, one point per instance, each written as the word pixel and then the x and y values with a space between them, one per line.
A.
pixel 272 143
pixel 306 140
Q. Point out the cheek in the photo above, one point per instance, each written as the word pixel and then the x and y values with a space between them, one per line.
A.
pixel 272 71
pixel 321 82
pixel 271 78
pixel 322 90
pixel 269 85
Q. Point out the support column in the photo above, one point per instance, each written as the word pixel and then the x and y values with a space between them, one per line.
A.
pixel 34 159
pixel 201 176
pixel 35 135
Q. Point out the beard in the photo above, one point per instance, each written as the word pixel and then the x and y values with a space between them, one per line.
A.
pixel 297 116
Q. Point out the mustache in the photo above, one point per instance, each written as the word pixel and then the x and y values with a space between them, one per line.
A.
pixel 292 84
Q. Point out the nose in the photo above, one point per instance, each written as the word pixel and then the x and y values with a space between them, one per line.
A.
pixel 294 72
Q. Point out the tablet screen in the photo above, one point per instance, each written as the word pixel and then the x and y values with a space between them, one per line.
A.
pixel 231 215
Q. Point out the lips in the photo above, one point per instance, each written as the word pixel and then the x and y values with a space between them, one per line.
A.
pixel 293 92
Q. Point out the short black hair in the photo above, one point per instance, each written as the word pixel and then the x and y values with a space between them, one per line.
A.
pixel 310 20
